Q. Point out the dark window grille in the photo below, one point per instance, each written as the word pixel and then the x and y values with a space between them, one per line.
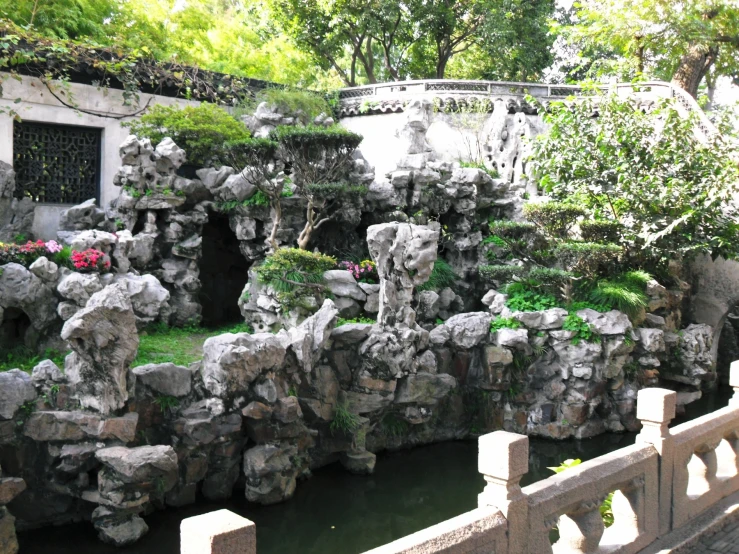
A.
pixel 57 164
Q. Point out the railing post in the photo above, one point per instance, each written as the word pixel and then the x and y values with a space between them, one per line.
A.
pixel 219 532
pixel 656 408
pixel 734 382
pixel 503 458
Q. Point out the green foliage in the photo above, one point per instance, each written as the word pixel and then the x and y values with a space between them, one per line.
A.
pixel 159 343
pixel 554 218
pixel 583 330
pixel 260 199
pixel 344 421
pixel 479 165
pixel 294 273
pixel 23 358
pixel 647 171
pixel 499 273
pixel 167 404
pixel 511 229
pixel 504 323
pixel 202 131
pixel 393 426
pixel 360 319
pixel 602 231
pixel 335 191
pixel 624 293
pixel 304 105
pixel 549 277
pixel 442 276
pixel 522 299
pixel 587 258
pixel 313 138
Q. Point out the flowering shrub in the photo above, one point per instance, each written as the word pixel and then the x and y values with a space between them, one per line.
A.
pixel 364 272
pixel 26 254
pixel 52 247
pixel 90 260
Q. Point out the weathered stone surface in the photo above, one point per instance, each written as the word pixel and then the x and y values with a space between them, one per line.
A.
pixel 10 487
pixel 359 462
pixel 545 319
pixel 167 379
pixel 307 340
pixel 213 178
pixel 73 426
pixel 257 410
pixel 16 388
pixel 149 299
pixel 651 340
pixel 609 323
pixel 351 332
pixel 342 283
pixel 44 269
pixel 118 528
pixel 82 216
pixel 468 330
pixel 364 403
pixel 513 338
pixel 428 305
pixel 287 410
pixel 140 464
pixel 20 288
pixel 104 339
pixel 424 388
pixel 8 540
pixel 270 475
pixel 79 287
pixel 231 362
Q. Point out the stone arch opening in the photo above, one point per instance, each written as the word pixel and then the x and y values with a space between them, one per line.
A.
pixel 15 330
pixel 223 272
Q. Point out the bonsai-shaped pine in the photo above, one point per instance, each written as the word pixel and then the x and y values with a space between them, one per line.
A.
pixel 320 158
pixel 255 159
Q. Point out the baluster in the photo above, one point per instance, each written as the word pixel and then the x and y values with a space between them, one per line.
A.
pixel 581 529
pixel 706 453
pixel 733 440
pixel 628 508
pixel 503 459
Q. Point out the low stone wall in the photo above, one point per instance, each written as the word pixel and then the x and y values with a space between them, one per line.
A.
pixel 667 478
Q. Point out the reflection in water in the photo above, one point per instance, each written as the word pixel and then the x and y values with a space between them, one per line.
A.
pixel 338 513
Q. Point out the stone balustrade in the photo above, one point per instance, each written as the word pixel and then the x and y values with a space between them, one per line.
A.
pixel 668 478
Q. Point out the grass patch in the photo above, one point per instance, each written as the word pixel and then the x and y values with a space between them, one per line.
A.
pixel 24 358
pixel 180 345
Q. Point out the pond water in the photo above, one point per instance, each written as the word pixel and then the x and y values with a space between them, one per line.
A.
pixel 335 512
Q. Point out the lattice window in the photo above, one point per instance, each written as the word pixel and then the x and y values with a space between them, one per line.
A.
pixel 58 164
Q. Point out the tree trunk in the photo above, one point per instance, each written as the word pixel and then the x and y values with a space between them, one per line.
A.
pixel 277 207
pixel 441 65
pixel 693 67
pixel 304 236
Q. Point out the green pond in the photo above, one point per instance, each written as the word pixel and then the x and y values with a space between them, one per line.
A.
pixel 335 512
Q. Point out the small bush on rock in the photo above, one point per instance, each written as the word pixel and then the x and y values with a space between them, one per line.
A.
pixel 504 323
pixel 294 273
pixel 603 231
pixel 587 258
pixel 499 273
pixel 555 218
pixel 202 131
pixel 521 298
pixel 90 260
pixel 344 421
pixel 583 330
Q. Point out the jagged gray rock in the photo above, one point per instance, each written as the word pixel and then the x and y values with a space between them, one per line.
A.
pixel 16 388
pixel 167 379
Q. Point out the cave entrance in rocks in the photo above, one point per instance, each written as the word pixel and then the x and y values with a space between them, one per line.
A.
pixel 14 329
pixel 223 273
pixel 728 345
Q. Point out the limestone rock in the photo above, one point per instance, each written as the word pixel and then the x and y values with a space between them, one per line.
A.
pixel 351 332
pixel 213 178
pixel 10 487
pixel 307 340
pixel 104 339
pixel 360 462
pixel 79 287
pixel 8 540
pixel 44 269
pixel 468 330
pixel 342 283
pixel 270 475
pixel 231 362
pixel 552 318
pixel 167 379
pixel 119 528
pixel 517 339
pixel 75 426
pixel 609 323
pixel 424 388
pixel 47 370
pixel 20 288
pixel 428 305
pixel 141 464
pixel 149 299
pixel 651 340
pixel 16 388
pixel 82 216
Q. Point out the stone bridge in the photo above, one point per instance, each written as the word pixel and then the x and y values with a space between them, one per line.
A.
pixel 671 488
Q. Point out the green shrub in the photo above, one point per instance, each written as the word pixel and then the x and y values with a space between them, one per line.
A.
pixel 586 258
pixel 499 273
pixel 549 277
pixel 646 169
pixel 201 130
pixel 341 321
pixel 607 231
pixel 393 426
pixel 504 323
pixel 344 421
pixel 555 218
pixel 479 165
pixel 624 293
pixel 295 273
pixel 332 191
pixel 522 299
pixel 166 403
pixel 583 330
pixel 442 276
pixel 304 105
pixel 314 138
pixel 511 229
pixel 249 152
